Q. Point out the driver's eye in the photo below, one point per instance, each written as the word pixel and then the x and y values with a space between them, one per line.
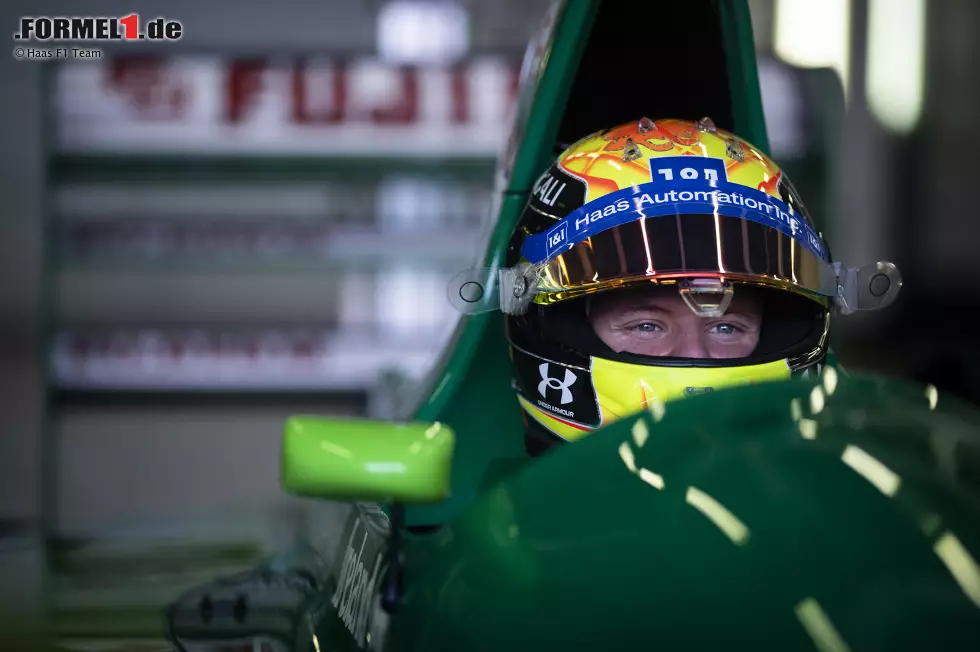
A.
pixel 723 329
pixel 647 328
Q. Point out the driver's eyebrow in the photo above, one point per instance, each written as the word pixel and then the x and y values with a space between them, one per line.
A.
pixel 738 313
pixel 635 307
pixel 638 307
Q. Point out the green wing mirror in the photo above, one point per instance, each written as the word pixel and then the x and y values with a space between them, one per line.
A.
pixel 348 459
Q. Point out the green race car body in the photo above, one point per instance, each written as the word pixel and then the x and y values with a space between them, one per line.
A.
pixel 831 513
pixel 785 516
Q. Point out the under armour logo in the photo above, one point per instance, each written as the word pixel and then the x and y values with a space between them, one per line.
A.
pixel 553 383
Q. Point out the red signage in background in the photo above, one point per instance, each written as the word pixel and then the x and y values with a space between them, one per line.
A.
pixel 151 92
pixel 403 108
pixel 242 83
pixel 332 107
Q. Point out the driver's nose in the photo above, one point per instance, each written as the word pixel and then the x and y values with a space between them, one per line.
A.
pixel 690 346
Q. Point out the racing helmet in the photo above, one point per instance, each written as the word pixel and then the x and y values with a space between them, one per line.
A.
pixel 676 207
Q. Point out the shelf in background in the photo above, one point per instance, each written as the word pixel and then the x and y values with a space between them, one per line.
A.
pixel 251 299
pixel 333 401
pixel 119 297
pixel 187 246
pixel 398 198
pixel 270 361
pixel 253 168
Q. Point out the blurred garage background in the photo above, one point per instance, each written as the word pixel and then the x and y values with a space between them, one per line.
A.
pixel 203 238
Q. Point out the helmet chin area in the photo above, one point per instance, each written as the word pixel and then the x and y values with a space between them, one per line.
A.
pixel 620 389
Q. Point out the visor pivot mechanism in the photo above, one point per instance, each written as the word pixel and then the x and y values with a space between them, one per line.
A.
pixel 517 288
pixel 486 289
pixel 520 287
pixel 707 297
pixel 871 287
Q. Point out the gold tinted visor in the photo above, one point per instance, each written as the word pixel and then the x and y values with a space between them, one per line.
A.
pixel 665 249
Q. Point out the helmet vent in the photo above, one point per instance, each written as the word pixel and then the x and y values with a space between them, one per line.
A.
pixel 630 151
pixel 708 125
pixel 734 150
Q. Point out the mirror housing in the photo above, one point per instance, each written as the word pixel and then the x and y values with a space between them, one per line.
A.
pixel 351 459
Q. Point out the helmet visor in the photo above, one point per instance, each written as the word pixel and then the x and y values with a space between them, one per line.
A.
pixel 688 221
pixel 667 248
pixel 696 226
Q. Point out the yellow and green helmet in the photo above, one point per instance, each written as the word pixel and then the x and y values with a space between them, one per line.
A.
pixel 677 204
